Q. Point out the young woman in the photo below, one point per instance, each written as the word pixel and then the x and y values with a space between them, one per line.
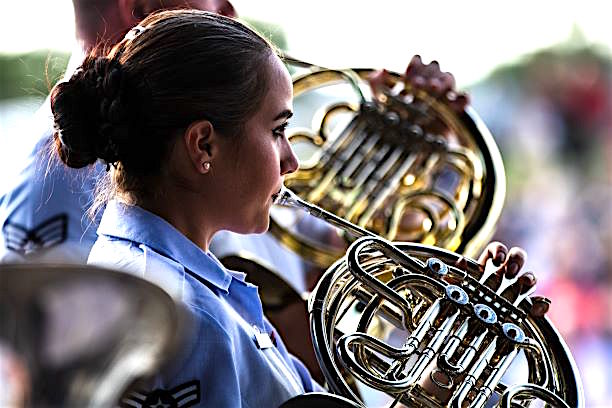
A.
pixel 188 112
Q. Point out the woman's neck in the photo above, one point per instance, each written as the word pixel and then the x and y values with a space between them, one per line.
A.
pixel 185 212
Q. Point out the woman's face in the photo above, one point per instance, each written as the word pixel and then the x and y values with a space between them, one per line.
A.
pixel 254 163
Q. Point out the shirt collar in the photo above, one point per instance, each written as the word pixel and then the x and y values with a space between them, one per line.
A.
pixel 136 224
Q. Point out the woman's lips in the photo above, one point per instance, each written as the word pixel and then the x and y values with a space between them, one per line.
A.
pixel 275 195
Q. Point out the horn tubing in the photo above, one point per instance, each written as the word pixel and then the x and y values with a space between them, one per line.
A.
pixel 491 353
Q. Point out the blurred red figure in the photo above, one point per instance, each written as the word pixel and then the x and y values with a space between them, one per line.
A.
pixel 107 21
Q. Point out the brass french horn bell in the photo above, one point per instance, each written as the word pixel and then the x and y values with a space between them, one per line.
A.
pixel 80 335
pixel 429 328
pixel 399 163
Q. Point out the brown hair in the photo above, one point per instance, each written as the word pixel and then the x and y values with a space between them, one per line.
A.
pixel 127 106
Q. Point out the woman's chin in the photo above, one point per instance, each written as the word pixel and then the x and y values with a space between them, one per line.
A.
pixel 257 227
pixel 263 227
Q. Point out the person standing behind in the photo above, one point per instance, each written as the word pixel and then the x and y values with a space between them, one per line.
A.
pixel 43 213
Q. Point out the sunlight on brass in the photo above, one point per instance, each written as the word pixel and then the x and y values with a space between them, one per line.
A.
pixel 448 339
pixel 376 165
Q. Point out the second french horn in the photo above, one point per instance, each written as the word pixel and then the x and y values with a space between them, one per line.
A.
pixel 398 162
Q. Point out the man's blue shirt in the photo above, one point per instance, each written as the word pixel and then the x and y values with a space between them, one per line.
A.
pixel 43 211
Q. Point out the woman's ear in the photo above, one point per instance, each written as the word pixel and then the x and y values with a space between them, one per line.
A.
pixel 199 140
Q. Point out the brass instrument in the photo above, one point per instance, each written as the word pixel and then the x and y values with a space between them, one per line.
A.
pixel 377 160
pixel 430 328
pixel 80 335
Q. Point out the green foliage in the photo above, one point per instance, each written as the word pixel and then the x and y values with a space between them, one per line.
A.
pixel 35 73
pixel 31 74
pixel 573 49
pixel 272 32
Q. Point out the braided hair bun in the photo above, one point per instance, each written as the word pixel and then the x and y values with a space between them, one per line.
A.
pixel 91 113
pixel 128 106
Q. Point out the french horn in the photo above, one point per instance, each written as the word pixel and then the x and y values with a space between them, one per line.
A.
pixel 430 328
pixel 374 158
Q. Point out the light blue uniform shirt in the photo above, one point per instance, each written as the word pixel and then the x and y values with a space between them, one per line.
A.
pixel 222 361
pixel 43 216
pixel 43 209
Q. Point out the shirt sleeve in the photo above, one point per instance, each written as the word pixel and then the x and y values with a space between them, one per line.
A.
pixel 310 385
pixel 209 359
pixel 203 372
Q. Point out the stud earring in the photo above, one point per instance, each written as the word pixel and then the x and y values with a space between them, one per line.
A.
pixel 206 166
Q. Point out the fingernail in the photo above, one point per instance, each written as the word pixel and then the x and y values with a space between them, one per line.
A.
pixel 499 258
pixel 418 81
pixel 526 282
pixel 435 85
pixel 513 269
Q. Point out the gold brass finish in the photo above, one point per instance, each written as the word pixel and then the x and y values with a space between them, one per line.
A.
pixel 431 328
pixel 400 163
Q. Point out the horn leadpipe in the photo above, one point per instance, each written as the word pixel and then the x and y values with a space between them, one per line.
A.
pixel 288 198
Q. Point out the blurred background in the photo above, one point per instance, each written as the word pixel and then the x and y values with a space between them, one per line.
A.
pixel 539 74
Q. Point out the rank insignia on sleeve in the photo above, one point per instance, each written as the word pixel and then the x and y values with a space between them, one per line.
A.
pixel 51 231
pixel 182 396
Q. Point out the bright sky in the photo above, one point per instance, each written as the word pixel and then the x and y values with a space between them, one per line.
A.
pixel 469 38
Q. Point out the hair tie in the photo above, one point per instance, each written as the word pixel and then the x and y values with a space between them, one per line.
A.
pixel 134 32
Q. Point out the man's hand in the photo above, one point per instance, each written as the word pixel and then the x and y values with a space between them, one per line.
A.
pixel 428 78
pixel 437 83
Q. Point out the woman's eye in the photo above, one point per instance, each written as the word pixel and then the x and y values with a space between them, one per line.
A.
pixel 280 130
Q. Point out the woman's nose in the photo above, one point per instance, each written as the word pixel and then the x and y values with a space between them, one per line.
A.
pixel 289 161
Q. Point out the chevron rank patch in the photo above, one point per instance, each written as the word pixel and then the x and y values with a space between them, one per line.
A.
pixel 182 396
pixel 51 231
